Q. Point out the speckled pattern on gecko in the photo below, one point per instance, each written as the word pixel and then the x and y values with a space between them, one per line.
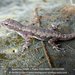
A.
pixel 28 32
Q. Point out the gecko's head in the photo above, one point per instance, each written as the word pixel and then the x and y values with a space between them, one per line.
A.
pixel 9 23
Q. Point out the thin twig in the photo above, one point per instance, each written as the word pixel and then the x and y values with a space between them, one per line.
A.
pixel 41 62
pixel 37 17
pixel 70 47
pixel 47 55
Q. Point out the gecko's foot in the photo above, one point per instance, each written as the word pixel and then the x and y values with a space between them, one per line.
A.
pixel 63 49
pixel 58 48
pixel 54 45
pixel 25 46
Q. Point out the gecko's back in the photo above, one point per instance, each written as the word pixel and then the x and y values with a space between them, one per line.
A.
pixel 39 33
pixel 17 26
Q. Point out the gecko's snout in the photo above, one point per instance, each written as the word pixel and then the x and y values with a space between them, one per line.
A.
pixel 5 22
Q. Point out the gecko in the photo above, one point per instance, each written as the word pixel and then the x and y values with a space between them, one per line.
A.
pixel 29 31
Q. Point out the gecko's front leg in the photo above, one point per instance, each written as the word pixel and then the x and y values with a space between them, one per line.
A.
pixel 26 42
pixel 53 43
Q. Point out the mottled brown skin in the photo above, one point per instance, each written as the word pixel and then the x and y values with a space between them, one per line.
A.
pixel 28 32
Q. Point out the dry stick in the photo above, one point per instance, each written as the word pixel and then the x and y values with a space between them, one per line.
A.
pixel 41 62
pixel 38 18
pixel 70 47
pixel 47 55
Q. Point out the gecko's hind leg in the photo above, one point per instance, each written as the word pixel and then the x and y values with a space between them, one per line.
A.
pixel 53 43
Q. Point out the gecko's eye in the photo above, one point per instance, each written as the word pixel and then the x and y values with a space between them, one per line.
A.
pixel 6 24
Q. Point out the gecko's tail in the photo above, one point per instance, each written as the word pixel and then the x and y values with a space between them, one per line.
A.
pixel 67 36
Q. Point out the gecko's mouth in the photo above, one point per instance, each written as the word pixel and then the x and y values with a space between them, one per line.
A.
pixel 3 23
pixel 6 23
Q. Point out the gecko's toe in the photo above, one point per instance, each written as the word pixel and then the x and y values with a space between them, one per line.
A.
pixel 57 48
pixel 62 49
pixel 24 47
